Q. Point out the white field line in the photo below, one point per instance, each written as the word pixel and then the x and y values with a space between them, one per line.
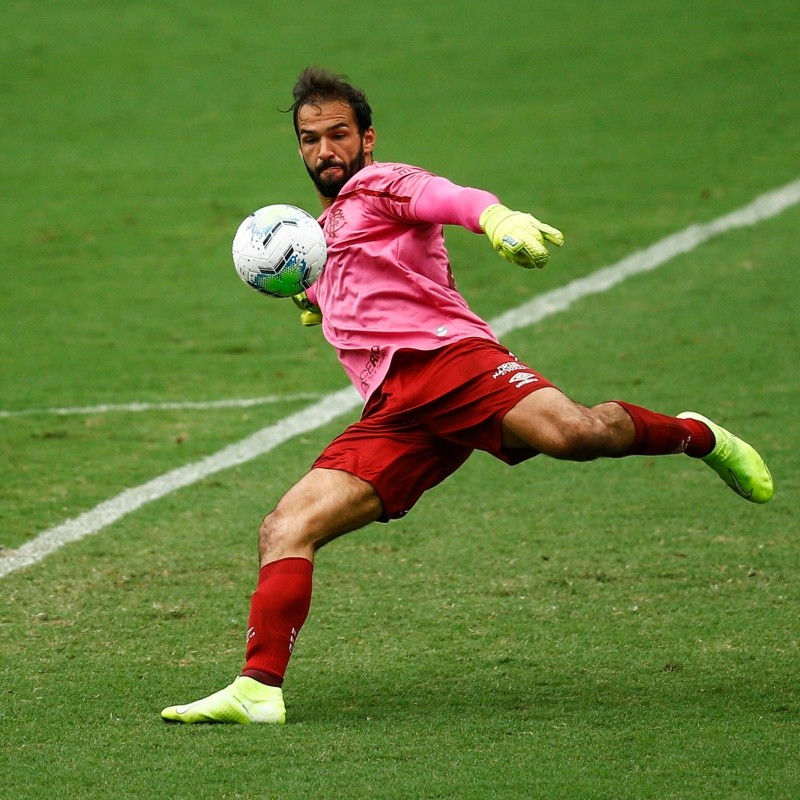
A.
pixel 242 402
pixel 333 405
pixel 762 208
pixel 109 511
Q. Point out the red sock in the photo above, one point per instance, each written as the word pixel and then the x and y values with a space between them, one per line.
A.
pixel 278 608
pixel 658 435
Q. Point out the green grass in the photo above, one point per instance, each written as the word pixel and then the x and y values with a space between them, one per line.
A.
pixel 620 629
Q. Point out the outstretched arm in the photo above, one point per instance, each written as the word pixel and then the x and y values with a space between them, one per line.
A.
pixel 446 203
pixel 516 236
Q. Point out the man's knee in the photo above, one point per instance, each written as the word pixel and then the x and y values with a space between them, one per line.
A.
pixel 602 430
pixel 323 505
pixel 280 531
pixel 584 438
pixel 559 427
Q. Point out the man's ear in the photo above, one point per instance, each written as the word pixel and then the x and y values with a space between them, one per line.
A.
pixel 369 141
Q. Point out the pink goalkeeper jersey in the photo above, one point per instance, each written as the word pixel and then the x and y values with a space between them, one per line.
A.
pixel 387 283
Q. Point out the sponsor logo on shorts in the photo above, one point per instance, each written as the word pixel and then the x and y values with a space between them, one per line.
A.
pixel 520 379
pixel 508 368
pixel 520 374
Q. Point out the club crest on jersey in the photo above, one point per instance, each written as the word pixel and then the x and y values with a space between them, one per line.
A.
pixel 334 222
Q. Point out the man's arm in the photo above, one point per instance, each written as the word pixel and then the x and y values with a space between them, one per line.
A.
pixel 516 236
pixel 446 203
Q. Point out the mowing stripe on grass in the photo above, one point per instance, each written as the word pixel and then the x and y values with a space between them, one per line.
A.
pixel 333 405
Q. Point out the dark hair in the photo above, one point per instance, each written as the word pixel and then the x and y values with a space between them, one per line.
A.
pixel 317 85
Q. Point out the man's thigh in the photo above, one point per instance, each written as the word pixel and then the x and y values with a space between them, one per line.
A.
pixel 471 390
pixel 328 503
pixel 400 462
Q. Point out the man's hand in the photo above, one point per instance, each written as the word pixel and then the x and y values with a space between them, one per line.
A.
pixel 519 237
pixel 309 313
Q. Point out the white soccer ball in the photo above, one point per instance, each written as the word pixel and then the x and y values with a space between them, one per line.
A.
pixel 279 250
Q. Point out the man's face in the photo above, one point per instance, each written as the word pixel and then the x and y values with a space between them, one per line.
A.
pixel 332 148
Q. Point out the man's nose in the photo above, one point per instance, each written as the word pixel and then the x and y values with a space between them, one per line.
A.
pixel 325 149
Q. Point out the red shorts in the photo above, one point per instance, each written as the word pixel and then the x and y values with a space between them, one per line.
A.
pixel 431 411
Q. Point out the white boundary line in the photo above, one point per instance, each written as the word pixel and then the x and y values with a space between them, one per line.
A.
pixel 762 208
pixel 109 511
pixel 242 402
pixel 333 405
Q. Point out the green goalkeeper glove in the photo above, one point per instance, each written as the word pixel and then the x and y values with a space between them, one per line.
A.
pixel 309 313
pixel 517 236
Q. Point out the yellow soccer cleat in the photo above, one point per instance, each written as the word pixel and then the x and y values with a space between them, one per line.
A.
pixel 244 702
pixel 737 463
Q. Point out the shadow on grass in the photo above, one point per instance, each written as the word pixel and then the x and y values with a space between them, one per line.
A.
pixel 663 695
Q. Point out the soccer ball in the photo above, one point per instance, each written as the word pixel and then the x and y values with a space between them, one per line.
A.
pixel 279 250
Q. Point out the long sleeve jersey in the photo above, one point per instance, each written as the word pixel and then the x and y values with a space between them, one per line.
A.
pixel 387 284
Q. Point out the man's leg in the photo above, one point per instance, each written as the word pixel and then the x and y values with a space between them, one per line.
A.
pixel 548 421
pixel 321 506
pixel 553 424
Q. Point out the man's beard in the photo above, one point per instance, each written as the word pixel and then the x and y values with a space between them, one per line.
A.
pixel 330 187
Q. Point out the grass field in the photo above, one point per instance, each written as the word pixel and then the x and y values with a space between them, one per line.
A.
pixel 621 629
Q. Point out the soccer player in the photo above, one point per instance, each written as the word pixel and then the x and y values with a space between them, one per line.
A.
pixel 436 382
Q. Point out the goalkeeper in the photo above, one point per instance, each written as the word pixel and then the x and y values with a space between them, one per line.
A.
pixel 437 384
